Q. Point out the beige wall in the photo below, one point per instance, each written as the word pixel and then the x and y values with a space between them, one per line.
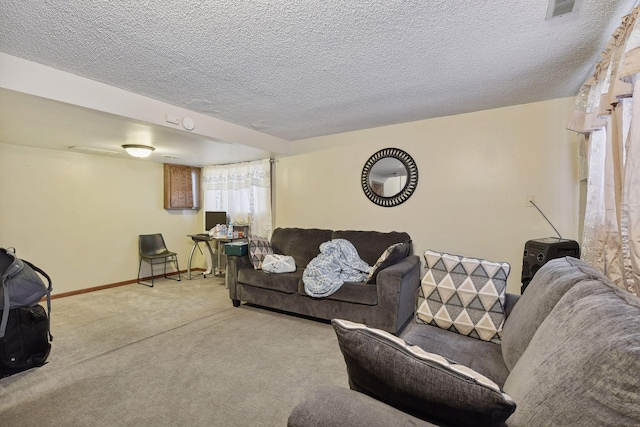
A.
pixel 78 216
pixel 475 171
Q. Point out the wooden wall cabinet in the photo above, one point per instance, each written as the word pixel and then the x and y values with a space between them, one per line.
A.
pixel 181 187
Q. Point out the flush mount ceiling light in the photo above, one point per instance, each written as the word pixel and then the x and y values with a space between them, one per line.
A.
pixel 138 150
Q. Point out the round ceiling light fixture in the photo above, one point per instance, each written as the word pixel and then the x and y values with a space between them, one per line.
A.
pixel 136 150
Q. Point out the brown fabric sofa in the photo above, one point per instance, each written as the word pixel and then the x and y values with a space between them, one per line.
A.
pixel 387 304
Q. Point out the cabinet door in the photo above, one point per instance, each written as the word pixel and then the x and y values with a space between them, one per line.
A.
pixel 181 187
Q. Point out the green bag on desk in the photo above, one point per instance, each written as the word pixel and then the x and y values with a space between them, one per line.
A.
pixel 236 249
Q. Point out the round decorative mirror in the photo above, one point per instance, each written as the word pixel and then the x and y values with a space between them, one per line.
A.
pixel 389 177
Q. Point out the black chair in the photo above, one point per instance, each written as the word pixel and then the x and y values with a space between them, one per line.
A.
pixel 152 247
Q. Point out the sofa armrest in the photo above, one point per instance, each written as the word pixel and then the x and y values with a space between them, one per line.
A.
pixel 234 265
pixel 509 303
pixel 397 286
pixel 399 269
pixel 332 406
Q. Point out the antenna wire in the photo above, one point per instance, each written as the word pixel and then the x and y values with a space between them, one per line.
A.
pixel 545 217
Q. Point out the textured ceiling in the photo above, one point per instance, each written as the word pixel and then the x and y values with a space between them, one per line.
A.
pixel 297 69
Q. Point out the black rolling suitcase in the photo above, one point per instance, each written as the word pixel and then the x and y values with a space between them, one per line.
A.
pixel 24 326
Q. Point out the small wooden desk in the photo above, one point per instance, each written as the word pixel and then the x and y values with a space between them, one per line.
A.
pixel 220 241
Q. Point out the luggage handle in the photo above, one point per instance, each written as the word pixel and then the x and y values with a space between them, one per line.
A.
pixel 49 289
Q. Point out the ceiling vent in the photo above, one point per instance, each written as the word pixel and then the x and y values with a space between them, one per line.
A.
pixel 98 151
pixel 560 7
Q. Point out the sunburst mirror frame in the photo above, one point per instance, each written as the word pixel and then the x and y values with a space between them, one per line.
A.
pixel 407 190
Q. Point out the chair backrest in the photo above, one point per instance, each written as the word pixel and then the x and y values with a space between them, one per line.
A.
pixel 151 244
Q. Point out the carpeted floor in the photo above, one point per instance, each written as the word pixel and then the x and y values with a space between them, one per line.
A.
pixel 178 354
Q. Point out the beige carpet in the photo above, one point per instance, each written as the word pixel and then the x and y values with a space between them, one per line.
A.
pixel 178 354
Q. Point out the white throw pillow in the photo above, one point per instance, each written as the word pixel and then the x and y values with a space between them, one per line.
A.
pixel 274 263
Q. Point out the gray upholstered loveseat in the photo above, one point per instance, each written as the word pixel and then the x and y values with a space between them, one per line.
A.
pixel 387 304
pixel 570 356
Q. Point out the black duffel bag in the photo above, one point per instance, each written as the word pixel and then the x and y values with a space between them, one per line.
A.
pixel 21 285
pixel 24 324
pixel 25 344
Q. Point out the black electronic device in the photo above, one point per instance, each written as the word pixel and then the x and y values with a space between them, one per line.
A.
pixel 211 219
pixel 538 252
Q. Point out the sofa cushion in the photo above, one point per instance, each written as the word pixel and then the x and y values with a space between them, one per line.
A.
pixel 335 406
pixel 390 256
pixel 283 282
pixel 482 356
pixel 371 244
pixel 581 366
pixel 353 292
pixel 463 294
pixel 259 247
pixel 547 287
pixel 423 384
pixel 303 244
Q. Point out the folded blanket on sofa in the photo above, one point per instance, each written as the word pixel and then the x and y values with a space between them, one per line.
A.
pixel 338 262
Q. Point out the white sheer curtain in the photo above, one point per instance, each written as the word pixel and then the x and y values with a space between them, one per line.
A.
pixel 243 190
pixel 607 112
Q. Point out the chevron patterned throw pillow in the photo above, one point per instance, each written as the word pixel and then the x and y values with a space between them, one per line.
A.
pixel 259 247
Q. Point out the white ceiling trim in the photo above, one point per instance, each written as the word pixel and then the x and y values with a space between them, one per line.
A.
pixel 29 77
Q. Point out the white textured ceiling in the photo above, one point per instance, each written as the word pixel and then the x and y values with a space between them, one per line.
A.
pixel 297 69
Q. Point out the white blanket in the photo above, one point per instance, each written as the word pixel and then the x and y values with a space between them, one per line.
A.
pixel 338 262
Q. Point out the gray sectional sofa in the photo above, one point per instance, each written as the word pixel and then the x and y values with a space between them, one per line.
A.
pixel 569 356
pixel 387 304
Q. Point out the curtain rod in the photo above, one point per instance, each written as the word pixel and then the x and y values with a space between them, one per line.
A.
pixel 251 161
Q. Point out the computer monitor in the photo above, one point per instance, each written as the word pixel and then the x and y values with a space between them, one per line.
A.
pixel 211 219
